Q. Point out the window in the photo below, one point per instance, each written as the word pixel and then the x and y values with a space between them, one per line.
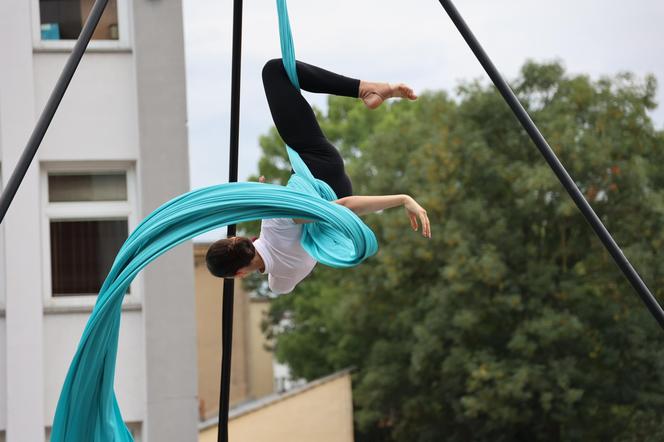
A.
pixel 64 19
pixel 59 23
pixel 87 187
pixel 82 253
pixel 88 213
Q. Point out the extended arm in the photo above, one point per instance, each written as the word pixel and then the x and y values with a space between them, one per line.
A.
pixel 363 204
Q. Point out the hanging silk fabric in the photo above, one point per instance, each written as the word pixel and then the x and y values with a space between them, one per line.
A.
pixel 87 409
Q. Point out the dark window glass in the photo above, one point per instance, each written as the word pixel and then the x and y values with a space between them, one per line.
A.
pixel 63 19
pixel 82 253
pixel 87 187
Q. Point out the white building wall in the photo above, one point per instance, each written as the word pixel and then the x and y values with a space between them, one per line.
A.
pixel 97 119
pixel 24 380
pixel 61 336
pixel 169 312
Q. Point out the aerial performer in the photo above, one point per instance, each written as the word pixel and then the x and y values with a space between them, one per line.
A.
pixel 277 252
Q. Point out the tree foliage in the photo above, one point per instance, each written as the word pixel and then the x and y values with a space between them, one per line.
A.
pixel 512 323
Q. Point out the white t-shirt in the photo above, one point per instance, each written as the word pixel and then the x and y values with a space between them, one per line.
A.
pixel 286 262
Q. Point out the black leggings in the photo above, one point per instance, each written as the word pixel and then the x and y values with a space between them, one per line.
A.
pixel 296 122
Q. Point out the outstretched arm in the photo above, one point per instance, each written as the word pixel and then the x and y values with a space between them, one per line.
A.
pixel 362 204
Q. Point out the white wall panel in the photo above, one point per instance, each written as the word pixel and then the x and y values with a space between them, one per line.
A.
pixel 23 323
pixel 61 335
pixel 97 117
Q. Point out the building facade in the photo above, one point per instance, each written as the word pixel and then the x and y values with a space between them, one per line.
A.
pixel 115 151
pixel 321 411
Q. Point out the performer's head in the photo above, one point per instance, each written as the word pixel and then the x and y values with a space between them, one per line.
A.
pixel 231 257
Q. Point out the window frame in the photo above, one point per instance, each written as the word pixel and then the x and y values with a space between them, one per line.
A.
pixel 123 44
pixel 85 211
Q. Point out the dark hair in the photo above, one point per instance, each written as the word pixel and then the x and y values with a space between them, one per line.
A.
pixel 226 256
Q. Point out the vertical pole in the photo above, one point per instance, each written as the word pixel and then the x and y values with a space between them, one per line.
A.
pixel 51 107
pixel 554 163
pixel 227 312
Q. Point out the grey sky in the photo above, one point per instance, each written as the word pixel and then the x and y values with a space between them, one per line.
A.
pixel 408 41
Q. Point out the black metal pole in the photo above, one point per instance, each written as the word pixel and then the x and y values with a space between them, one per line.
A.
pixel 227 308
pixel 51 107
pixel 554 163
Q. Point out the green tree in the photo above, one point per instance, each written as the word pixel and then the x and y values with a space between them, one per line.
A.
pixel 512 323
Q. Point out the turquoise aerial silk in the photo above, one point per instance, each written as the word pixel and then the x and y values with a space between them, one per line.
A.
pixel 87 409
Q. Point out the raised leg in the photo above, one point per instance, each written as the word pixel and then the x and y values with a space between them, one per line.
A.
pixel 296 122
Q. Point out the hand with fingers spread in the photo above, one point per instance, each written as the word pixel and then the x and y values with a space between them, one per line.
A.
pixel 416 211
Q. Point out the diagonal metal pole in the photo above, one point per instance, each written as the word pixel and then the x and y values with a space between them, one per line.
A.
pixel 227 305
pixel 555 164
pixel 51 107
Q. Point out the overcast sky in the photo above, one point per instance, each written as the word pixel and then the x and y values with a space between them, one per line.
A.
pixel 410 41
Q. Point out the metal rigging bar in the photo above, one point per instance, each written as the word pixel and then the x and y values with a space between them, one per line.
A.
pixel 228 296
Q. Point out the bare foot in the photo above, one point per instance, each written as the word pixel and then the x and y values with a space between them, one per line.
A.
pixel 373 94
